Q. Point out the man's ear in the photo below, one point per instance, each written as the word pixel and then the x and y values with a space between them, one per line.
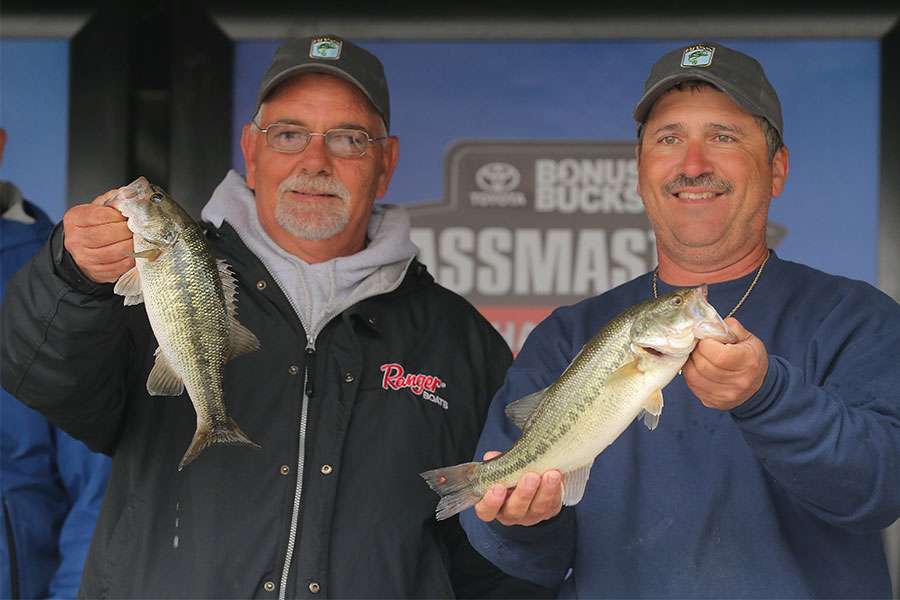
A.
pixel 780 167
pixel 390 154
pixel 637 156
pixel 248 149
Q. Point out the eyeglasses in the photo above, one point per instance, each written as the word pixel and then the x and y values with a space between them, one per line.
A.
pixel 290 138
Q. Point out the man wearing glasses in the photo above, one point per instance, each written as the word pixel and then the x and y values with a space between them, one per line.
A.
pixel 369 372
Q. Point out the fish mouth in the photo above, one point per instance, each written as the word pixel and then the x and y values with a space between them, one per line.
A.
pixel 136 190
pixel 653 351
pixel 715 330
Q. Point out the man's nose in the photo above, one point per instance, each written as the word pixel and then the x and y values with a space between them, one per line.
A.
pixel 315 158
pixel 696 159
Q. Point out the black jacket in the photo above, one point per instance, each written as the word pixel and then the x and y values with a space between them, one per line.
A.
pixel 222 527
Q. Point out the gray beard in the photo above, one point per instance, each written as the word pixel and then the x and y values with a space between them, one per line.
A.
pixel 312 222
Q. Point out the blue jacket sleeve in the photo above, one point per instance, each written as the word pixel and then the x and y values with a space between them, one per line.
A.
pixel 83 475
pixel 542 553
pixel 828 430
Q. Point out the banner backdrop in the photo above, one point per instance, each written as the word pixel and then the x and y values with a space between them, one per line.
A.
pixel 517 162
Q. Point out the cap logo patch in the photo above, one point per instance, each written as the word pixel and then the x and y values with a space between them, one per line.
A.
pixel 327 48
pixel 697 56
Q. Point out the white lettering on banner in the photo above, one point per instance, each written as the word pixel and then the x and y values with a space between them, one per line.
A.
pixel 481 199
pixel 540 264
pixel 500 261
pixel 494 276
pixel 456 246
pixel 603 185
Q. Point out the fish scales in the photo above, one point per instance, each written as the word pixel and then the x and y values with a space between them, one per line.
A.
pixel 561 411
pixel 182 294
pixel 616 377
pixel 190 301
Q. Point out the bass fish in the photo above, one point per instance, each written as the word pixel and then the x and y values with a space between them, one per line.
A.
pixel 617 377
pixel 190 298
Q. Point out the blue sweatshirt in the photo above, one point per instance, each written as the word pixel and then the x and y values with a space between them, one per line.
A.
pixel 784 496
pixel 51 485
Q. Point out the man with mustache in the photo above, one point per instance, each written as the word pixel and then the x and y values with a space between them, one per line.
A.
pixel 776 463
pixel 368 372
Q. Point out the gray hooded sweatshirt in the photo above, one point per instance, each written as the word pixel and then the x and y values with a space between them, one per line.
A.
pixel 318 292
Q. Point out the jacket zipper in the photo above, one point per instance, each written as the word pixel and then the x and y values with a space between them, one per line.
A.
pixel 301 455
pixel 307 388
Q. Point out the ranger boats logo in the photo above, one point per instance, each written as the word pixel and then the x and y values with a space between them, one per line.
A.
pixel 396 378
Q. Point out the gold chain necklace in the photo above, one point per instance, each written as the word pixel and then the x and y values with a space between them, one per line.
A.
pixel 744 297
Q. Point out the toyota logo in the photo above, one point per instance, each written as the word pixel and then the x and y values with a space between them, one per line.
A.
pixel 497 177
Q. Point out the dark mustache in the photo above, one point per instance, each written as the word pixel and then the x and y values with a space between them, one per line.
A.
pixel 704 180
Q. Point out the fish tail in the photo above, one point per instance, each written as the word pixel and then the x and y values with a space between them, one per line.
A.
pixel 223 433
pixel 456 487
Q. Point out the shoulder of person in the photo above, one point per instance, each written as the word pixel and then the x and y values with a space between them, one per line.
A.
pixel 833 292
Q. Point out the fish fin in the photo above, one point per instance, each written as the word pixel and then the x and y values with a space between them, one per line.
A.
pixel 574 483
pixel 629 369
pixel 652 409
pixel 520 411
pixel 229 287
pixel 227 433
pixel 454 485
pixel 163 380
pixel 150 254
pixel 129 285
pixel 240 339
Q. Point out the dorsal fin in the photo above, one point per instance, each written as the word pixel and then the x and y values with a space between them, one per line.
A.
pixel 240 339
pixel 520 411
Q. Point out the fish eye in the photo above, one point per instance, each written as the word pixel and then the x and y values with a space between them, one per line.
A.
pixel 156 198
pixel 677 301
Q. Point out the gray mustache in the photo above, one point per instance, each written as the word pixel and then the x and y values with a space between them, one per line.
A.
pixel 704 180
pixel 314 184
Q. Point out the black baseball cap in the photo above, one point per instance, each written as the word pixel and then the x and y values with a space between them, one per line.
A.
pixel 333 55
pixel 735 73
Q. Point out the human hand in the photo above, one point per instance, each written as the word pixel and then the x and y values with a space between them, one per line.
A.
pixel 98 239
pixel 724 376
pixel 535 498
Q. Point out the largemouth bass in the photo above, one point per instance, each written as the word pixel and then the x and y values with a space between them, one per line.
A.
pixel 617 377
pixel 190 299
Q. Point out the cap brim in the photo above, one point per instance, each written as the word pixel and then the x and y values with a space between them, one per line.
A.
pixel 642 109
pixel 316 67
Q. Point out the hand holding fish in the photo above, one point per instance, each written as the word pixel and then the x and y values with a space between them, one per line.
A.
pixel 724 375
pixel 535 498
pixel 98 239
pixel 616 378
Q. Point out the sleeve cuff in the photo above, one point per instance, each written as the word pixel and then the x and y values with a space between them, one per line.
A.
pixel 65 268
pixel 764 396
